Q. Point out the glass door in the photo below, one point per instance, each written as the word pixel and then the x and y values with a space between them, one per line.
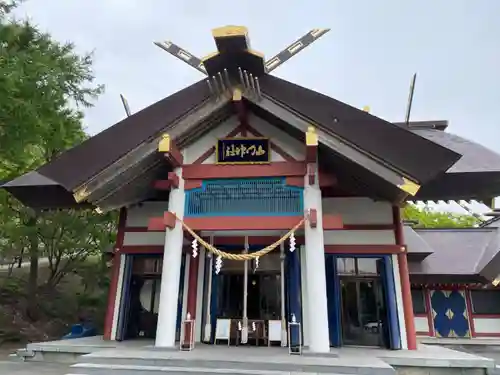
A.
pixel 363 311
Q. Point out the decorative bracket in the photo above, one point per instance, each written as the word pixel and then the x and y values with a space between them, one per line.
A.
pixel 172 182
pixel 158 224
pixel 172 153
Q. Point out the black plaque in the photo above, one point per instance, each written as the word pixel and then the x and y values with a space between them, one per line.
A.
pixel 243 151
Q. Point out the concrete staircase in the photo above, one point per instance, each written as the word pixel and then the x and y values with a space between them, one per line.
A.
pixel 237 362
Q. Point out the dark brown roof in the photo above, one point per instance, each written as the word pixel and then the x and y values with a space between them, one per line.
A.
pixel 39 192
pixel 408 152
pixel 475 176
pixel 82 162
pixel 475 157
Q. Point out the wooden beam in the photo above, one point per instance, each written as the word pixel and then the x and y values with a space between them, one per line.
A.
pixel 326 180
pixel 171 183
pixel 222 223
pixel 158 224
pixel 277 169
pixel 242 223
pixel 364 249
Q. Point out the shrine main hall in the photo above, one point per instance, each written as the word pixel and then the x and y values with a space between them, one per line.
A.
pixel 254 211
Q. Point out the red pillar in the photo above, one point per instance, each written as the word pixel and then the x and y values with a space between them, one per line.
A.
pixel 192 294
pixel 113 287
pixel 404 275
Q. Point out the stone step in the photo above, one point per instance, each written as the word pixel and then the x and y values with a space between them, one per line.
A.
pixel 95 369
pixel 231 362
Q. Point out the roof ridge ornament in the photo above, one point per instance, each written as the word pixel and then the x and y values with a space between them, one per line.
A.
pixel 233 50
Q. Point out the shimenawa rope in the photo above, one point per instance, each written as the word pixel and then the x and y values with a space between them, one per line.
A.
pixel 249 256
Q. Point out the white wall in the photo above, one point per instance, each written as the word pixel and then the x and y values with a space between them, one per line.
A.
pixel 421 324
pixel 360 211
pixel 198 148
pixel 139 215
pixel 283 140
pixel 488 326
pixel 359 237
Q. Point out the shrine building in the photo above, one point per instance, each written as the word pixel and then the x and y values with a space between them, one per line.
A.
pixel 264 213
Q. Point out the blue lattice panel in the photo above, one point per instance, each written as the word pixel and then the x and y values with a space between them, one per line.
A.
pixel 245 197
pixel 449 313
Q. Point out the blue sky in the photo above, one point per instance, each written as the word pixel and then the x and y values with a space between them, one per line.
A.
pixel 368 57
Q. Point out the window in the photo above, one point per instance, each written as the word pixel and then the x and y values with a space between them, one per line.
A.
pixel 485 301
pixel 418 299
pixel 367 266
pixel 358 266
pixel 346 266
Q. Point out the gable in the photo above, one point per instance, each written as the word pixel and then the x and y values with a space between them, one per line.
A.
pixel 283 146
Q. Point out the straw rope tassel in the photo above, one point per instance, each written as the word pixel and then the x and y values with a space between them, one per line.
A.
pixel 249 256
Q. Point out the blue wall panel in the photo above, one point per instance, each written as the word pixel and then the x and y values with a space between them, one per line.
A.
pixel 333 300
pixel 244 197
pixel 390 301
pixel 294 295
pixel 449 311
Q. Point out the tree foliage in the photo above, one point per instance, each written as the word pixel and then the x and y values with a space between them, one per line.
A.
pixel 427 218
pixel 44 85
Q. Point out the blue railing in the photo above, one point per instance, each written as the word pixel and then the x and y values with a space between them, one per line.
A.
pixel 244 197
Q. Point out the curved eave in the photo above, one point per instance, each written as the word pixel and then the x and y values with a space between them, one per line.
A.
pixel 467 186
pixel 40 192
pixel 476 175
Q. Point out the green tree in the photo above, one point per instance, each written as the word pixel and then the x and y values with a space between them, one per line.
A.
pixel 427 218
pixel 44 85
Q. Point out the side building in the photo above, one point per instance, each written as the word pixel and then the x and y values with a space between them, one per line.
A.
pixel 455 275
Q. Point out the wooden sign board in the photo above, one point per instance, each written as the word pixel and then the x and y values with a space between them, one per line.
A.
pixel 243 151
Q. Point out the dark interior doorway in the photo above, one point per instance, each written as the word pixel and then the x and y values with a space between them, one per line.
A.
pixel 263 299
pixel 363 304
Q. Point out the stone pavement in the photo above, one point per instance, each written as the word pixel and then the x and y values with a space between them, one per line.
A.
pixel 27 368
pixel 488 351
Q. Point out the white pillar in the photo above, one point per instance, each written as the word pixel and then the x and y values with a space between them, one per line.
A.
pixel 118 298
pixel 319 341
pixel 244 328
pixel 207 332
pixel 172 259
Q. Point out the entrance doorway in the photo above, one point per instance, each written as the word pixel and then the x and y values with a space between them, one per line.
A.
pixel 363 312
pixel 262 304
pixel 263 298
pixel 140 297
pixel 361 301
